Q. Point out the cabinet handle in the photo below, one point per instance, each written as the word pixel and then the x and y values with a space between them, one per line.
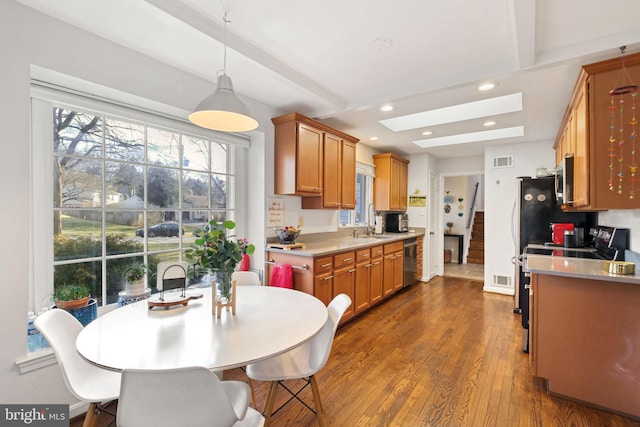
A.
pixel 326 265
pixel 328 278
pixel 347 259
pixel 376 263
pixel 352 270
pixel 368 265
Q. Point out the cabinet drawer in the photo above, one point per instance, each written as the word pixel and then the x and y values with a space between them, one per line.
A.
pixel 363 255
pixel 344 258
pixel 393 247
pixel 377 251
pixel 322 265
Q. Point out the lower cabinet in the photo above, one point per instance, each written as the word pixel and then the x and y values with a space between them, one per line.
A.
pixel 367 275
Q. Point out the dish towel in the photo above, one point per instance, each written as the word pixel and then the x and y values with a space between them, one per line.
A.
pixel 281 276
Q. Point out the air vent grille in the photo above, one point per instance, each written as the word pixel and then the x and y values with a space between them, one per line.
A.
pixel 503 162
pixel 502 280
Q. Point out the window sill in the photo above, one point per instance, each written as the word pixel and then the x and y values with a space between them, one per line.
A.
pixel 37 360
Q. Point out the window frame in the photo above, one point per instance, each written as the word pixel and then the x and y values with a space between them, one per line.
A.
pixel 43 100
pixel 368 173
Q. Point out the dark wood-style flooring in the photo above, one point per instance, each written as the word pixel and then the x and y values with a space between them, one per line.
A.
pixel 442 353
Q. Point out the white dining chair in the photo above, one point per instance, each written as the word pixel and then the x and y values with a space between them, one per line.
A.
pixel 85 381
pixel 243 278
pixel 184 397
pixel 303 362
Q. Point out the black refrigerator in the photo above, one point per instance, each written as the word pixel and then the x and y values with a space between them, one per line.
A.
pixel 536 208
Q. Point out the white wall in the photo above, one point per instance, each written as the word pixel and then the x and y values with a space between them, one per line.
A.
pixel 36 39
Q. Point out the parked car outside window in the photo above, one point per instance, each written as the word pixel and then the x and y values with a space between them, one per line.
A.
pixel 163 229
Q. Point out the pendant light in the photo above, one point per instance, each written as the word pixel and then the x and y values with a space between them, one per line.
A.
pixel 223 110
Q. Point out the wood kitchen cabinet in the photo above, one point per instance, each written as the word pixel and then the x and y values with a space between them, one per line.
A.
pixel 392 269
pixel 315 161
pixel 339 176
pixel 375 278
pixel 585 133
pixel 390 183
pixel 583 340
pixel 419 256
pixel 344 277
pixel 362 299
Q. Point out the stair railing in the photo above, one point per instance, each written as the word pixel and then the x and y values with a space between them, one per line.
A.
pixel 473 206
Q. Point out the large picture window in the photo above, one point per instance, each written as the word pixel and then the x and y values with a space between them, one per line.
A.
pixel 117 192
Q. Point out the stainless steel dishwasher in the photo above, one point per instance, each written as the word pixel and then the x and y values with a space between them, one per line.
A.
pixel 410 261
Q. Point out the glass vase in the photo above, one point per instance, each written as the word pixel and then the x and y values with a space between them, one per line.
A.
pixel 224 290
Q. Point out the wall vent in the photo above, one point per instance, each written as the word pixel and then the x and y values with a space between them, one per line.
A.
pixel 501 280
pixel 503 162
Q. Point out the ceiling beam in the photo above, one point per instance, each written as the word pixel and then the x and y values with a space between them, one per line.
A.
pixel 523 17
pixel 197 20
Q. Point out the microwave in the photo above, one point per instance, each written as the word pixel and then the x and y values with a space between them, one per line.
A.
pixel 564 180
pixel 396 223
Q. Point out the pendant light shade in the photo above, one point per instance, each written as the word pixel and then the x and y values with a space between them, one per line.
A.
pixel 223 110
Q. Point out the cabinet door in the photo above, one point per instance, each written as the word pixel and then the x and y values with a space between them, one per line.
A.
pixel 387 275
pixel 344 283
pixel 348 177
pixel 395 184
pixel 309 160
pixel 581 153
pixel 324 287
pixel 332 171
pixel 398 271
pixel 402 186
pixel 362 297
pixel 375 281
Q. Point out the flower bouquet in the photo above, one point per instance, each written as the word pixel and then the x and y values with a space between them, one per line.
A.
pixel 287 234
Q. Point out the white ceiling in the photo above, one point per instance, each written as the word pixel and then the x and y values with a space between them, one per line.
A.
pixel 322 59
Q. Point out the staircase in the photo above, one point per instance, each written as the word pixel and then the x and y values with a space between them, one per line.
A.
pixel 476 244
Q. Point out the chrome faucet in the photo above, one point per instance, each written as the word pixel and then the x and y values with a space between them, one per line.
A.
pixel 370 227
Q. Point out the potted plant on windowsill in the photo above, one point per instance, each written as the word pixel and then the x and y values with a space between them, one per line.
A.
pixel 71 296
pixel 134 276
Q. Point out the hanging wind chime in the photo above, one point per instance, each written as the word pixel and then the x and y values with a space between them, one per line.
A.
pixel 619 131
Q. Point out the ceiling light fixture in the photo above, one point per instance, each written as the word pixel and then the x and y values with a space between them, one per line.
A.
pixel 373 138
pixel 387 107
pixel 486 86
pixel 427 133
pixel 223 110
pixel 489 123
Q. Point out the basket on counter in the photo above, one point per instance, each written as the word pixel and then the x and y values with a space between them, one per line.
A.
pixel 287 235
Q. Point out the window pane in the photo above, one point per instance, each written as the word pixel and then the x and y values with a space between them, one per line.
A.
pixel 88 274
pixel 219 191
pixel 163 188
pixel 124 140
pixel 122 232
pixel 116 281
pixel 76 133
pixel 77 182
pixel 162 147
pixel 219 157
pixel 80 234
pixel 195 153
pixel 124 184
pixel 195 190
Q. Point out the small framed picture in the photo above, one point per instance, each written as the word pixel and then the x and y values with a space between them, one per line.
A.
pixel 448 199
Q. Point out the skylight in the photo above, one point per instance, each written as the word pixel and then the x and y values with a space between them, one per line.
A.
pixel 464 138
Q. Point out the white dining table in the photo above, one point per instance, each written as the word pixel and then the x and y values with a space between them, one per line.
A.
pixel 268 321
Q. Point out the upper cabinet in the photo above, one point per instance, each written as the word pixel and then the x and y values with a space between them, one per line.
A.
pixel 315 161
pixel 390 184
pixel 602 167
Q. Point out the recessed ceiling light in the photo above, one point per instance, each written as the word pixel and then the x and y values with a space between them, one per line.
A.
pixel 486 86
pixel 427 133
pixel 387 107
pixel 373 138
pixel 489 123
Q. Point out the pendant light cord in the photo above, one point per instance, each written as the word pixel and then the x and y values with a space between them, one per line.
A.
pixel 224 18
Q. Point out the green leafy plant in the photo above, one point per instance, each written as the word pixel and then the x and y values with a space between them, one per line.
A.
pixel 71 293
pixel 135 272
pixel 215 250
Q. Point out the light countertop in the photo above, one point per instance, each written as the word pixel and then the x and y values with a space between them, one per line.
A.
pixel 580 268
pixel 332 246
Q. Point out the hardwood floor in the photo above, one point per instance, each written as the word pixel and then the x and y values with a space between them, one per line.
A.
pixel 439 353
